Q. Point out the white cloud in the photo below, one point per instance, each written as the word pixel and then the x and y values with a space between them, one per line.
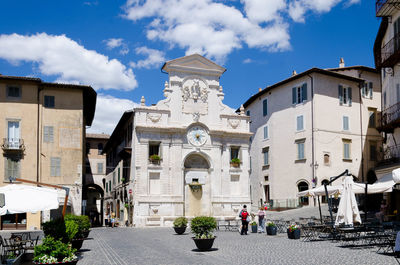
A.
pixel 154 58
pixel 247 60
pixel 108 112
pixel 215 28
pixel 60 56
pixel 113 43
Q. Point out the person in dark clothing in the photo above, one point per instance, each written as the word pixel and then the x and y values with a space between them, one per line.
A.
pixel 245 224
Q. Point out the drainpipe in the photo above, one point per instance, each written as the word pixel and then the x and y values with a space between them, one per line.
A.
pixel 361 131
pixel 38 134
pixel 312 127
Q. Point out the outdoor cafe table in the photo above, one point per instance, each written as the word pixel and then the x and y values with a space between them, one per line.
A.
pixel 312 232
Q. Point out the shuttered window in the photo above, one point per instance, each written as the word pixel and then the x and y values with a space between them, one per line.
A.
pixel 99 168
pixel 370 89
pixel 13 92
pixel 265 107
pixel 300 149
pixel 346 149
pixel 48 134
pixel 345 95
pixel 265 152
pixel 12 168
pixel 55 166
pixel 299 94
pixel 265 132
pixel 299 123
pixel 345 123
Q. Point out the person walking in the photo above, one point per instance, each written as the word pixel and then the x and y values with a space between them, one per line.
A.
pixel 244 215
pixel 261 220
pixel 112 219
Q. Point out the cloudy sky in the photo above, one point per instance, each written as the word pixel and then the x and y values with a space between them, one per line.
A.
pixel 118 47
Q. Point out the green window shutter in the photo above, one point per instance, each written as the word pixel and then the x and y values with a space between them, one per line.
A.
pixel 350 96
pixel 119 175
pixel 265 107
pixel 304 92
pixel 371 90
pixel 345 123
pixel 293 95
pixel 340 93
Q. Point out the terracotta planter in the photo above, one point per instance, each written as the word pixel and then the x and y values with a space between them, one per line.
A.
pixel 180 230
pixel 74 262
pixel 295 234
pixel 272 230
pixel 204 244
pixel 77 243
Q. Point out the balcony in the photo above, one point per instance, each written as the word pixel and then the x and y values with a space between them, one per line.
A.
pixel 390 53
pixel 386 8
pixel 13 144
pixel 390 155
pixel 389 119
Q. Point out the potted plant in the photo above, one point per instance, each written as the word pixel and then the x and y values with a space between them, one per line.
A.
pixel 271 229
pixel 155 159
pixel 202 227
pixel 253 225
pixel 54 251
pixel 293 232
pixel 83 224
pixel 56 229
pixel 235 162
pixel 13 259
pixel 180 225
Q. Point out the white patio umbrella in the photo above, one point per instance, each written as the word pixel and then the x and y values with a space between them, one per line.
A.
pixel 320 191
pixel 348 210
pixel 23 198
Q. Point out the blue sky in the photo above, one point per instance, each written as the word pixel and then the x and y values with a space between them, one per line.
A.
pixel 118 47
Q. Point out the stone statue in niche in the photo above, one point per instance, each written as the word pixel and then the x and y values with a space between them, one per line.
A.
pixel 195 90
pixel 185 93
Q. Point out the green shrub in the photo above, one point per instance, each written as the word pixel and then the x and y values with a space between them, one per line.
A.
pixel 82 221
pixel 155 157
pixel 52 249
pixel 180 222
pixel 203 226
pixel 71 228
pixel 253 223
pixel 235 160
pixel 55 229
pixel 271 224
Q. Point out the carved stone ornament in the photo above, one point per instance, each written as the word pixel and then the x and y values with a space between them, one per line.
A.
pixel 196 116
pixel 154 117
pixel 233 123
pixel 195 91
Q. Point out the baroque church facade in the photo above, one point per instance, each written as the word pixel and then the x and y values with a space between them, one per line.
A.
pixel 190 152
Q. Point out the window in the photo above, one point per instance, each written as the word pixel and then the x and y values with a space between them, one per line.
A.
pixel 113 180
pixel 299 122
pixel 154 149
pixel 345 97
pixel 48 134
pixel 106 186
pixel 371 123
pixel 12 167
pixel 345 123
pixel 109 186
pixel 372 151
pixel 49 101
pixel 248 113
pixel 119 175
pixel 265 152
pixel 55 167
pixel 384 100
pixel 13 134
pixel 367 90
pixel 299 94
pixel 99 148
pixel 370 89
pixel 265 107
pixel 266 178
pixel 327 160
pixel 346 149
pixel 13 92
pixel 265 132
pixel 99 168
pixel 154 183
pixel 234 152
pixel 300 149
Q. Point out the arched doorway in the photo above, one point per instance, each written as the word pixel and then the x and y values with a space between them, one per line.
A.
pixel 197 186
pixel 302 186
pixel 93 194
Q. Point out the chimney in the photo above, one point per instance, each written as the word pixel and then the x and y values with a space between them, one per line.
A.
pixel 294 73
pixel 341 63
pixel 259 89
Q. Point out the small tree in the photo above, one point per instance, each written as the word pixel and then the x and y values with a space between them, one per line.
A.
pixel 203 226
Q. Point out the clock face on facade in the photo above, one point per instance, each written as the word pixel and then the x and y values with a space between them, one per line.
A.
pixel 197 136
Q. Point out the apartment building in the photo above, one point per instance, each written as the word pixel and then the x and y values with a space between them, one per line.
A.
pixel 310 127
pixel 93 186
pixel 118 196
pixel 387 58
pixel 43 134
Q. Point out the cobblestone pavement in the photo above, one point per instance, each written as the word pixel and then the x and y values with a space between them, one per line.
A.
pixel 123 246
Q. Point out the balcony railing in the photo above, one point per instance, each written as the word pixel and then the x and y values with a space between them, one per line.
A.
pixel 384 8
pixel 15 144
pixel 389 119
pixel 390 53
pixel 391 154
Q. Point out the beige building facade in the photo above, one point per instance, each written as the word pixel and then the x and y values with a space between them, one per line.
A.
pixel 43 134
pixel 310 127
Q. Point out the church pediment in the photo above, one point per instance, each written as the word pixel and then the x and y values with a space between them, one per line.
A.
pixel 195 64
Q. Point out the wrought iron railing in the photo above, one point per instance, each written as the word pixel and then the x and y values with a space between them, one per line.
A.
pixel 390 48
pixel 389 115
pixel 379 4
pixel 13 144
pixel 391 154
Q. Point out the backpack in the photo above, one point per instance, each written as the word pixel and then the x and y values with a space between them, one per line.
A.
pixel 244 215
